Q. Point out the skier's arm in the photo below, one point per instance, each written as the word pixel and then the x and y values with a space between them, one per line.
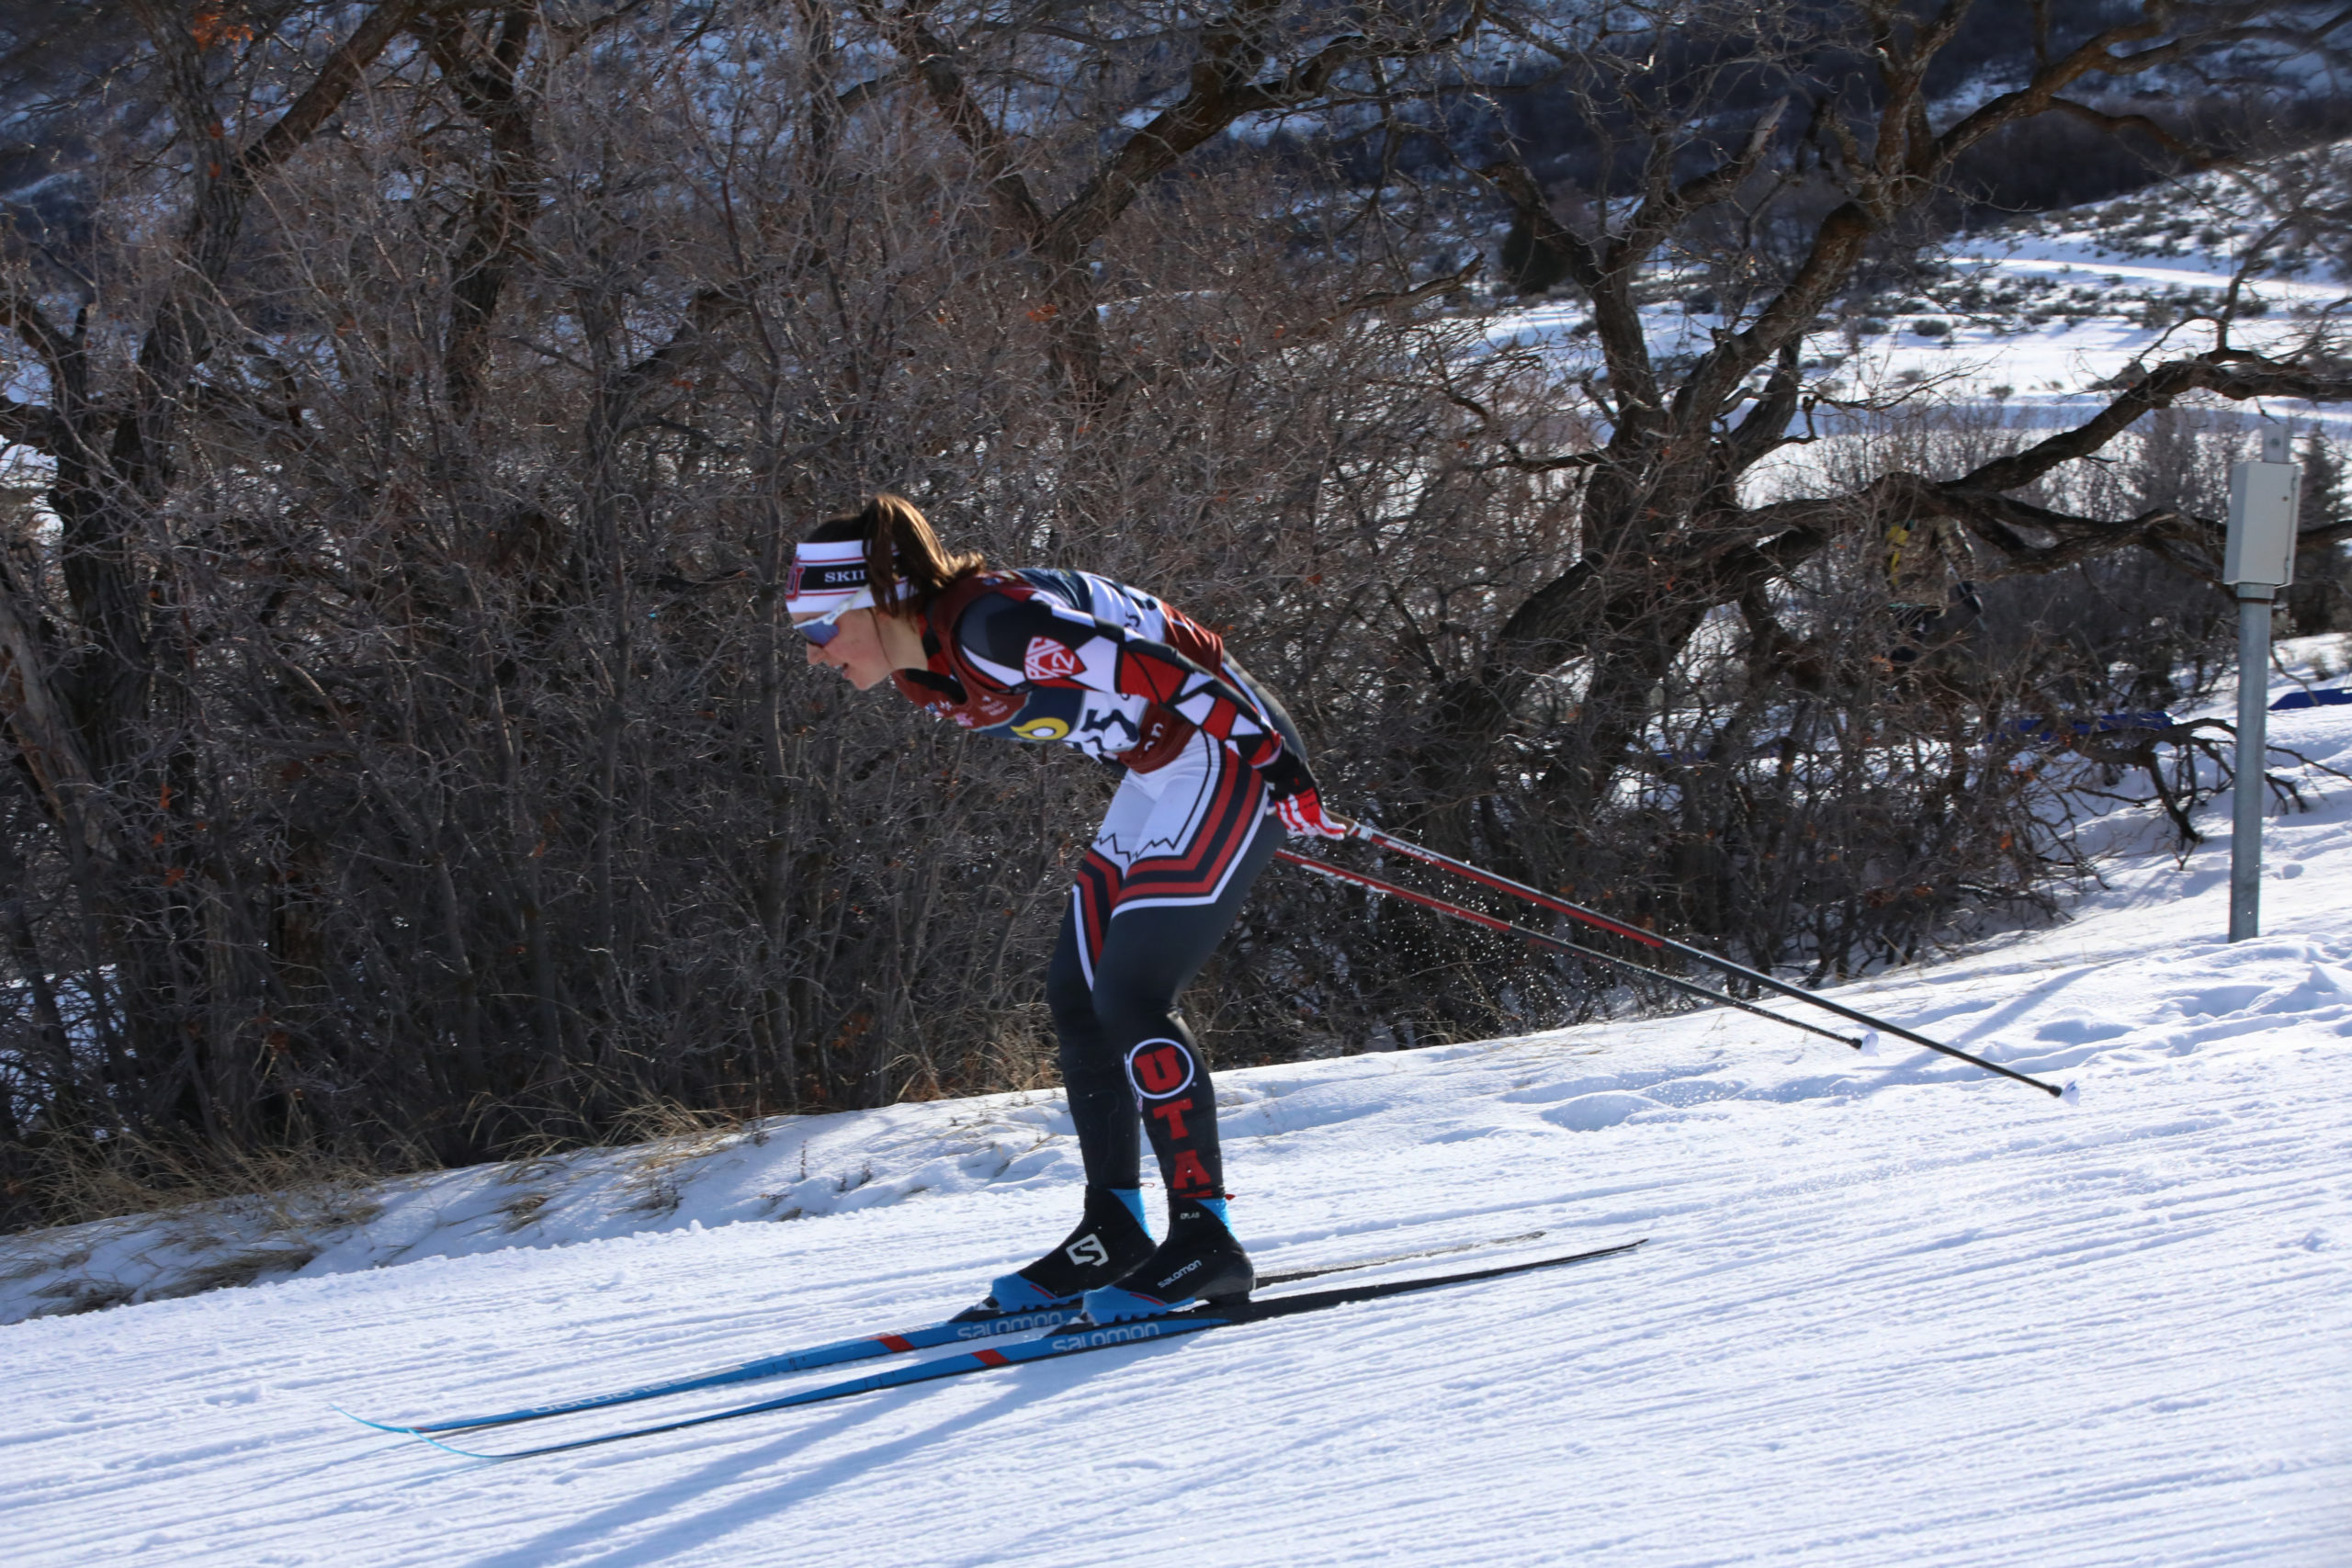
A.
pixel 1033 641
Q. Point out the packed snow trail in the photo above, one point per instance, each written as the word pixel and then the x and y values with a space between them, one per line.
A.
pixel 1895 1311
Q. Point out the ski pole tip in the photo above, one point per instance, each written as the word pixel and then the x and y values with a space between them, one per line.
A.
pixel 2073 1093
pixel 1868 1044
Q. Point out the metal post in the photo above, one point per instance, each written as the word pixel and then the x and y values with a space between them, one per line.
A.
pixel 2253 718
pixel 2258 559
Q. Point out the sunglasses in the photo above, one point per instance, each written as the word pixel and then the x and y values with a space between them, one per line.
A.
pixel 827 626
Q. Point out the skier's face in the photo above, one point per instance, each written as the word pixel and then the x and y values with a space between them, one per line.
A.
pixel 855 649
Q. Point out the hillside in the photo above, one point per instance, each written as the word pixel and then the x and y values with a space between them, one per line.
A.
pixel 1892 1309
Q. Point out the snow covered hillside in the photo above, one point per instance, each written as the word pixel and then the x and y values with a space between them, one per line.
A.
pixel 2031 318
pixel 1892 1309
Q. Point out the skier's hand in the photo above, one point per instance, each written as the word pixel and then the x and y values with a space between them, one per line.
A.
pixel 1291 790
pixel 1302 816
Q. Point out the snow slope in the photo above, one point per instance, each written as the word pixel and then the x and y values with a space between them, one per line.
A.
pixel 1894 1309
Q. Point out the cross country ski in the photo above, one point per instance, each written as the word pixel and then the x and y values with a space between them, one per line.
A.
pixel 954 1331
pixel 1076 1340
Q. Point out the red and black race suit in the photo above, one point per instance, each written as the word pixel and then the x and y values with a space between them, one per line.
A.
pixel 1049 655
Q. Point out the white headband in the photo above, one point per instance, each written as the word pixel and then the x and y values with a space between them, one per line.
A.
pixel 824 576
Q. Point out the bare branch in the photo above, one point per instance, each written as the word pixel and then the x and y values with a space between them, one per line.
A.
pixel 1511 179
pixel 320 101
pixel 932 59
pixel 2237 373
pixel 1391 300
pixel 1222 93
pixel 2198 157
pixel 33 424
pixel 1659 217
pixel 43 336
pixel 177 341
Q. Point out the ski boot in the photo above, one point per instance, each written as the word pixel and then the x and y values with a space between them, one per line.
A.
pixel 1108 1243
pixel 1199 1261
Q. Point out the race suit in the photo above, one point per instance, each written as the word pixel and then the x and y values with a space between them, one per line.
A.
pixel 1047 654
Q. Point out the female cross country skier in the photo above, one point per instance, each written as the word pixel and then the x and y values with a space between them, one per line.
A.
pixel 1042 654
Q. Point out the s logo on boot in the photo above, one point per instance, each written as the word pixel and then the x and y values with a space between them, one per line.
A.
pixel 1087 1251
pixel 1159 1068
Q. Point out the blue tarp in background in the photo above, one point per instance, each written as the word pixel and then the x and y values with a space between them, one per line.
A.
pixel 2333 698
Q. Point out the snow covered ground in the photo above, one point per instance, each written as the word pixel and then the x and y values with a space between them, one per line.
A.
pixel 1892 1309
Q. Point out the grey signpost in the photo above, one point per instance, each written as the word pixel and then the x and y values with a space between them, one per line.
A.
pixel 2258 562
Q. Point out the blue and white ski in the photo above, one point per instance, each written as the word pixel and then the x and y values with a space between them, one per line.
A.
pixel 928 1338
pixel 867 1346
pixel 1077 1340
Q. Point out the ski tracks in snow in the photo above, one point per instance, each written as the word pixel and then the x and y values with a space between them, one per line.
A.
pixel 1894 1311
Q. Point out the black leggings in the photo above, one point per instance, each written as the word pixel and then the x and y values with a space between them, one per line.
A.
pixel 1127 1058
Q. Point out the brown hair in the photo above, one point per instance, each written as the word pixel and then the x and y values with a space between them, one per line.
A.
pixel 900 544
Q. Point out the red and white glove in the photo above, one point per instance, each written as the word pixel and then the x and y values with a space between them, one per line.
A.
pixel 1302 816
pixel 1296 801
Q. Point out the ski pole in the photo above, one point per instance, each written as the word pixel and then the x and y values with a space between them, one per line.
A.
pixel 1543 939
pixel 1372 835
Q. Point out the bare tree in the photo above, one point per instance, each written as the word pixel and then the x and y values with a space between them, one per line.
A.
pixel 413 406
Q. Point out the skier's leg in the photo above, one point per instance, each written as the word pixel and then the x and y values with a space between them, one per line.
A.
pixel 1101 1110
pixel 1146 959
pixel 1208 841
pixel 1109 1238
pixel 1188 863
pixel 1149 955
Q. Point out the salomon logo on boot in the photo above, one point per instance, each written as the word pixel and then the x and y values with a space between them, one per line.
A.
pixel 1199 1261
pixel 1108 1243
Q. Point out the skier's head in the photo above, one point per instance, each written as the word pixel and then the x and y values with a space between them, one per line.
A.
pixel 860 585
pixel 885 551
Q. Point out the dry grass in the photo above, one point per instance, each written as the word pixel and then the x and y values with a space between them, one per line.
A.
pixel 233 1217
pixel 78 1290
pixel 523 1209
pixel 239 1267
pixel 82 1181
pixel 80 1295
pixel 201 1218
pixel 24 1262
pixel 663 1139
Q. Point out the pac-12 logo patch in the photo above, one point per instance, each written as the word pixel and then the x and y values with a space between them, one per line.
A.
pixel 1048 661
